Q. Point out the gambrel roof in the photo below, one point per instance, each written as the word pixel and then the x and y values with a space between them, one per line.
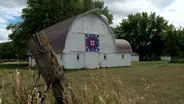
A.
pixel 58 32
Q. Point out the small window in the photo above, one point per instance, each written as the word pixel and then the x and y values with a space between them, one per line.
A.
pixel 61 57
pixel 122 56
pixel 77 56
pixel 105 57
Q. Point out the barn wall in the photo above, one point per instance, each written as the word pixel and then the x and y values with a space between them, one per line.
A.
pixel 89 24
pixel 135 58
pixel 71 61
pixel 91 61
pixel 166 58
pixel 115 60
pixel 32 62
pixel 60 58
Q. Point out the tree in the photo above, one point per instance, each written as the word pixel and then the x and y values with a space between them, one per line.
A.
pixel 174 41
pixel 144 32
pixel 40 14
pixel 7 51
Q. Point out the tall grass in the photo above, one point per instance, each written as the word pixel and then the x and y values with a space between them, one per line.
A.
pixel 101 89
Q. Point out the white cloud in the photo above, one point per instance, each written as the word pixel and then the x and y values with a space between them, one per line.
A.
pixel 120 9
pixel 12 3
pixel 169 9
pixel 174 13
pixel 4 33
pixel 9 9
pixel 2 20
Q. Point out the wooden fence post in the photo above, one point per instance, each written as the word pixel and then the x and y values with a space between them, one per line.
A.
pixel 49 67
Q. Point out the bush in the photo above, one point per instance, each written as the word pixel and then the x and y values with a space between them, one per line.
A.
pixel 177 60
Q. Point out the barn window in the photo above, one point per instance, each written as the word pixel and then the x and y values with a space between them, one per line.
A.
pixel 122 56
pixel 77 56
pixel 105 57
pixel 61 57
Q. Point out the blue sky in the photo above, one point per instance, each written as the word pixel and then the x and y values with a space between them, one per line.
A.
pixel 171 10
pixel 5 20
pixel 10 12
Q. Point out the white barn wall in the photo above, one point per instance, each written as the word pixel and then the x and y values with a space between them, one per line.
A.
pixel 89 24
pixel 92 60
pixel 134 58
pixel 32 62
pixel 71 61
pixel 165 58
pixel 115 60
pixel 75 43
pixel 60 59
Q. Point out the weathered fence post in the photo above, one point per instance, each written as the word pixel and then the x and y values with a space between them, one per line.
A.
pixel 49 67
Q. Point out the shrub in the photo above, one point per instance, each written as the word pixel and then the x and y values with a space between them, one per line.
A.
pixel 177 60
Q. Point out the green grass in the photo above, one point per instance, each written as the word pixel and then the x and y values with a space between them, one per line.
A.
pixel 158 82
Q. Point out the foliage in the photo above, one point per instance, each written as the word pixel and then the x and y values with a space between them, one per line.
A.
pixel 144 32
pixel 177 60
pixel 7 51
pixel 174 41
pixel 40 14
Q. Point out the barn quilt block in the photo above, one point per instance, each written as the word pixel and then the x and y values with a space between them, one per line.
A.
pixel 92 43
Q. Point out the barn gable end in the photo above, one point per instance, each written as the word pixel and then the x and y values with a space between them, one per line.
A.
pixel 89 24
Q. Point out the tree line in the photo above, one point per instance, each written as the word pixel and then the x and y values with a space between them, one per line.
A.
pixel 150 35
pixel 8 51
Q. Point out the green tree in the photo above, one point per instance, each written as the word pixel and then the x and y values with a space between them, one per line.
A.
pixel 7 51
pixel 174 41
pixel 144 32
pixel 40 14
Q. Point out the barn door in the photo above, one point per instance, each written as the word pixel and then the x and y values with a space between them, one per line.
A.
pixel 92 60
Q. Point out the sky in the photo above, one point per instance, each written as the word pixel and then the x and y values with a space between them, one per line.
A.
pixel 171 10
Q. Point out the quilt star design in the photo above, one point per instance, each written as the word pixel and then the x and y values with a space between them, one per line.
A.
pixel 92 43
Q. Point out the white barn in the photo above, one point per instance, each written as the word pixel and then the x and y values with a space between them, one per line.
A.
pixel 87 41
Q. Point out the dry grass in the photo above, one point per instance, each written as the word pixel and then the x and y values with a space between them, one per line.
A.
pixel 103 89
pixel 143 83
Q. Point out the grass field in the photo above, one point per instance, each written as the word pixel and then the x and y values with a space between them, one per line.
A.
pixel 156 82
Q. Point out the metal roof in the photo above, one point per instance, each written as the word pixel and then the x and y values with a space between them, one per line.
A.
pixel 57 33
pixel 123 46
